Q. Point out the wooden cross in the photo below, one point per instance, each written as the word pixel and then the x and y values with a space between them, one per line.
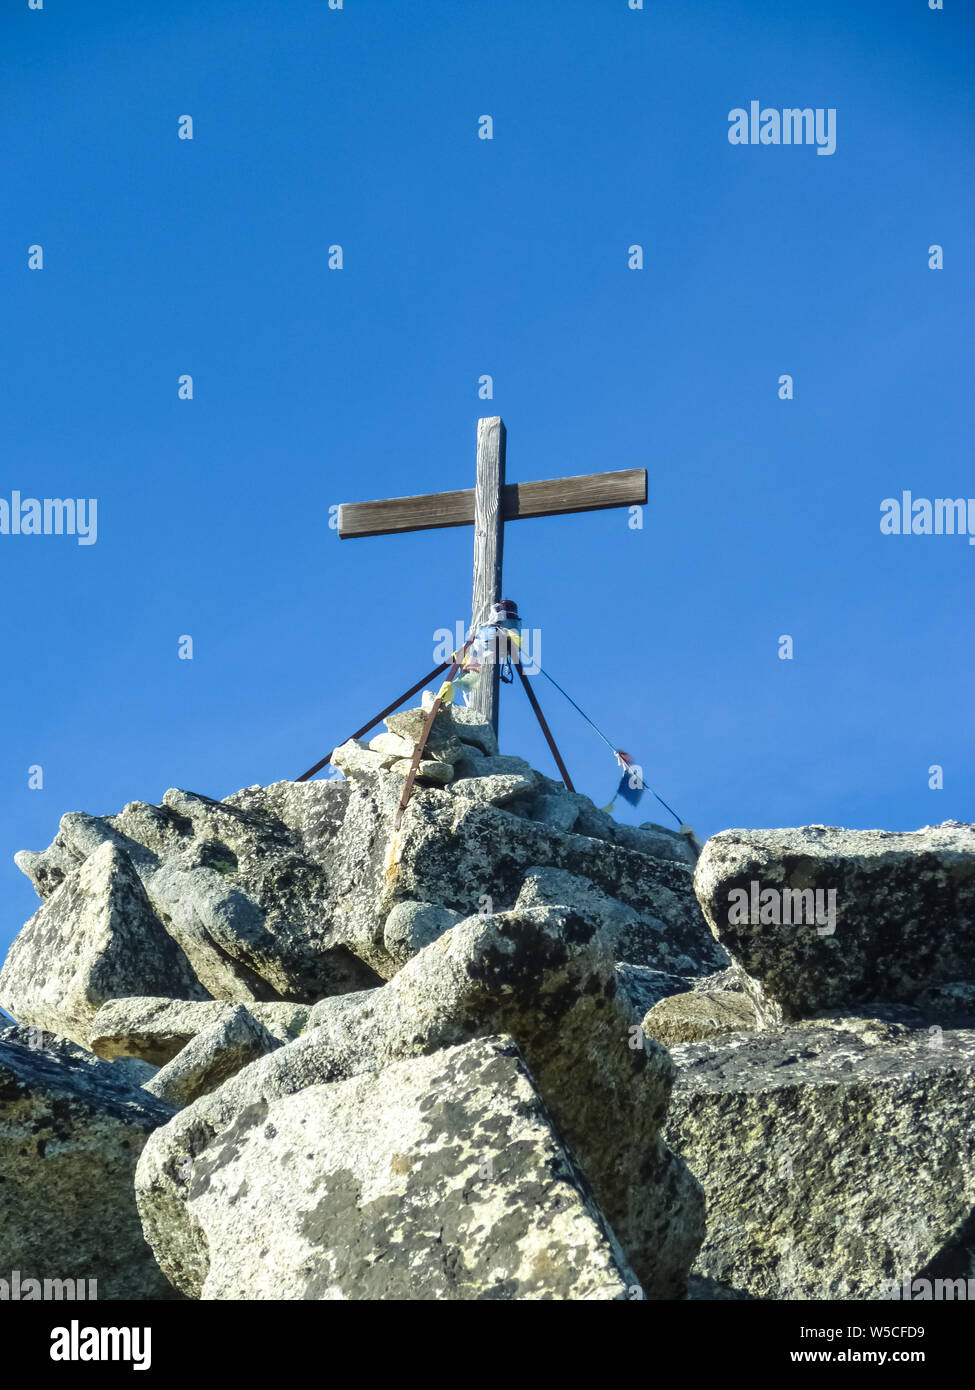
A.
pixel 487 507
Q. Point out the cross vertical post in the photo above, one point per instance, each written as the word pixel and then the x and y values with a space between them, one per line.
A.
pixel 487 507
pixel 488 552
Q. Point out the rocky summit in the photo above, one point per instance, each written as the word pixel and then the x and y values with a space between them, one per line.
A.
pixel 273 1047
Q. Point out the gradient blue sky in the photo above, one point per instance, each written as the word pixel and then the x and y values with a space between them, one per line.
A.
pixel 508 257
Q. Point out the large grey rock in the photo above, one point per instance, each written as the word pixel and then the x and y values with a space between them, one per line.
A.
pixel 559 812
pixel 94 938
pixel 835 1154
pixel 47 869
pixel 71 1130
pixel 156 1029
pixel 411 926
pixel 220 930
pixel 546 977
pixel 657 841
pixel 497 789
pixel 392 746
pixel 471 729
pixel 212 1057
pixel 427 770
pixel 152 1028
pixel 591 820
pixel 442 742
pixel 356 759
pixel 232 885
pixel 637 934
pixel 293 948
pixel 80 835
pixel 505 765
pixel 646 987
pixel 437 1177
pixel 902 918
pixel 698 1016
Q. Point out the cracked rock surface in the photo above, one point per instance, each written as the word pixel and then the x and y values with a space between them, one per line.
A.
pixel 835 1155
pixel 272 1047
pixel 903 906
pixel 437 1177
pixel 71 1130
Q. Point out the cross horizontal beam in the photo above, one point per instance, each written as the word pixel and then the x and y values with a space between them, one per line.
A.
pixel 588 492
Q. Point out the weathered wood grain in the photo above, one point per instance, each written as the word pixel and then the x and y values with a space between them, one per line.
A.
pixel 488 550
pixel 429 512
pixel 588 492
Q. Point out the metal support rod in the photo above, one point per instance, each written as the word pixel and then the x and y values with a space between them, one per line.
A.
pixel 544 726
pixel 421 744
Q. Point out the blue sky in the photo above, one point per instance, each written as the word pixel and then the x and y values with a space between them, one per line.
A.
pixel 462 257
